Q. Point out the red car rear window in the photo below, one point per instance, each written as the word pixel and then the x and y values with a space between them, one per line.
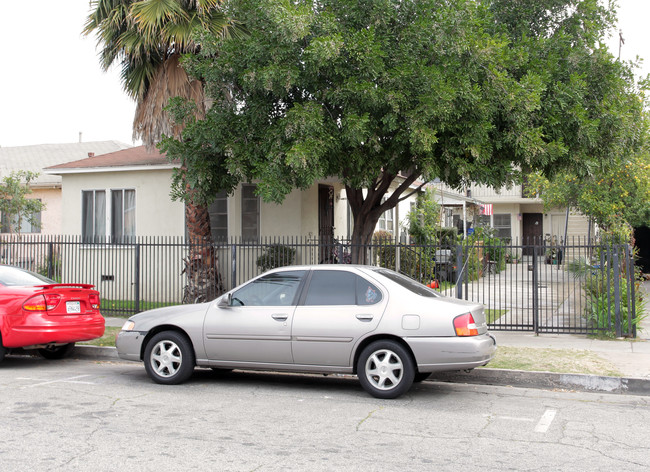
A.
pixel 13 276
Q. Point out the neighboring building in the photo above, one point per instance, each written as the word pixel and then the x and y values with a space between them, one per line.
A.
pixel 47 187
pixel 518 218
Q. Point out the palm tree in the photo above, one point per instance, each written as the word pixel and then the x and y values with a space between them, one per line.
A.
pixel 147 38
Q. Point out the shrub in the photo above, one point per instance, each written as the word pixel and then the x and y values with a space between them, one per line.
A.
pixel 276 255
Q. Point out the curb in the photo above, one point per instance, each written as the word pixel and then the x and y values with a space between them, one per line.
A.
pixel 482 376
pixel 94 352
pixel 548 381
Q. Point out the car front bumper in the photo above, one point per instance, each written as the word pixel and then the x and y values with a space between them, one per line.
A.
pixel 438 354
pixel 129 345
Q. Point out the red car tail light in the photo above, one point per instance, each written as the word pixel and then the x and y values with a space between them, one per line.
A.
pixel 465 325
pixel 42 302
pixel 94 300
pixel 52 300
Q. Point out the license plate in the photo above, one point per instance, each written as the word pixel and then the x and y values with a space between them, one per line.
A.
pixel 73 307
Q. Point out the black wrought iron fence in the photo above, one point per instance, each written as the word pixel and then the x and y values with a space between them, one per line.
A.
pixel 571 287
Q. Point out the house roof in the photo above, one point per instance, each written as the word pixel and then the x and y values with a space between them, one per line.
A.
pixel 135 158
pixel 37 157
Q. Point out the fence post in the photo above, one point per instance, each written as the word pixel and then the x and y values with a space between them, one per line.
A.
pixel 137 278
pixel 50 260
pixel 233 267
pixel 535 291
pixel 398 255
pixel 617 293
pixel 460 270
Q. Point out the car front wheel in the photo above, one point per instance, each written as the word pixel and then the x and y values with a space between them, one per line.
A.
pixel 169 358
pixel 385 369
pixel 56 352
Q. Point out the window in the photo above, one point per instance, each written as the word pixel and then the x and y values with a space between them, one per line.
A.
pixel 219 217
pixel 278 289
pixel 386 220
pixel 122 215
pixel 93 215
pixel 502 226
pixel 408 283
pixel 25 225
pixel 250 213
pixel 334 287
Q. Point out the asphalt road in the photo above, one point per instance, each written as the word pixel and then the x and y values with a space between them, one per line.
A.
pixel 107 416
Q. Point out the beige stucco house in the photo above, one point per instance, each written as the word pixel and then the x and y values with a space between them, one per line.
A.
pixel 127 193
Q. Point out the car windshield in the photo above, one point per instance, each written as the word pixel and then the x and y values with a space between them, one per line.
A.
pixel 13 276
pixel 407 283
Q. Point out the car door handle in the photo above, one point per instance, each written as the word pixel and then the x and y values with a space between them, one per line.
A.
pixel 365 317
pixel 280 317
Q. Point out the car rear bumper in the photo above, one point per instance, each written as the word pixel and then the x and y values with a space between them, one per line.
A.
pixel 40 329
pixel 438 354
pixel 129 345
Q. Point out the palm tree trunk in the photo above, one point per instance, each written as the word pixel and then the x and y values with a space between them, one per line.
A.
pixel 201 266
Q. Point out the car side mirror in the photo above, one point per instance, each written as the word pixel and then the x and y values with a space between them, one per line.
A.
pixel 225 301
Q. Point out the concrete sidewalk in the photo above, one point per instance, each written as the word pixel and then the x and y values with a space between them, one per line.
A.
pixel 630 357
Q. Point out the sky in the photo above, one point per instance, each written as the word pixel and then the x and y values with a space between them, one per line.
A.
pixel 53 90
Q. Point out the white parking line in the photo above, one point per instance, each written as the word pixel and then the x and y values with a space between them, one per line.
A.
pixel 68 380
pixel 545 421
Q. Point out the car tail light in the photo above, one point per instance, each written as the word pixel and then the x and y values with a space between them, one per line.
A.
pixel 465 325
pixel 42 302
pixel 94 301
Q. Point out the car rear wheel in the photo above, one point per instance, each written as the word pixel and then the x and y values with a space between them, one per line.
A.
pixel 385 369
pixel 56 352
pixel 169 358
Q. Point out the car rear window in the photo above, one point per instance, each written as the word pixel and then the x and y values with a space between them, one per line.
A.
pixel 13 276
pixel 407 283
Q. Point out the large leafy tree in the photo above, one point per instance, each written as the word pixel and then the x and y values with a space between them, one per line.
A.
pixel 616 198
pixel 147 38
pixel 381 93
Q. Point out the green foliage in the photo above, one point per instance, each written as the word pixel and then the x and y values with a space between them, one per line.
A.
pixel 599 286
pixel 367 91
pixel 276 255
pixel 415 262
pixel 423 221
pixel 481 248
pixel 616 197
pixel 14 204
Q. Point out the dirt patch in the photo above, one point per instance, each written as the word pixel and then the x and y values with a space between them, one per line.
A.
pixel 569 361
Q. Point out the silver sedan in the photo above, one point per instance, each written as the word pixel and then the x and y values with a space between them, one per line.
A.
pixel 380 325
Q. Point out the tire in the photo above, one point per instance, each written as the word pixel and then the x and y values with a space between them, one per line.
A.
pixel 385 369
pixel 169 358
pixel 56 352
pixel 421 376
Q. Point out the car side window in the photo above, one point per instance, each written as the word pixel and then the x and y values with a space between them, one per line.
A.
pixel 334 287
pixel 277 289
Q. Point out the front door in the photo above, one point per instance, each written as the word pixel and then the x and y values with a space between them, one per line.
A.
pixel 326 221
pixel 532 232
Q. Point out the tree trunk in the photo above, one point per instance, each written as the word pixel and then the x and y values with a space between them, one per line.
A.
pixel 201 266
pixel 368 208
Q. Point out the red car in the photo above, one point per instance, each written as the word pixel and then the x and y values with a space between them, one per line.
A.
pixel 38 313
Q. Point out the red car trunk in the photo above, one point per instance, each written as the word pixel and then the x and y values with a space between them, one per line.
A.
pixel 48 314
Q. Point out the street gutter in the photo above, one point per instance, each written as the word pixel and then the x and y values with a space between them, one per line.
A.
pixel 483 376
